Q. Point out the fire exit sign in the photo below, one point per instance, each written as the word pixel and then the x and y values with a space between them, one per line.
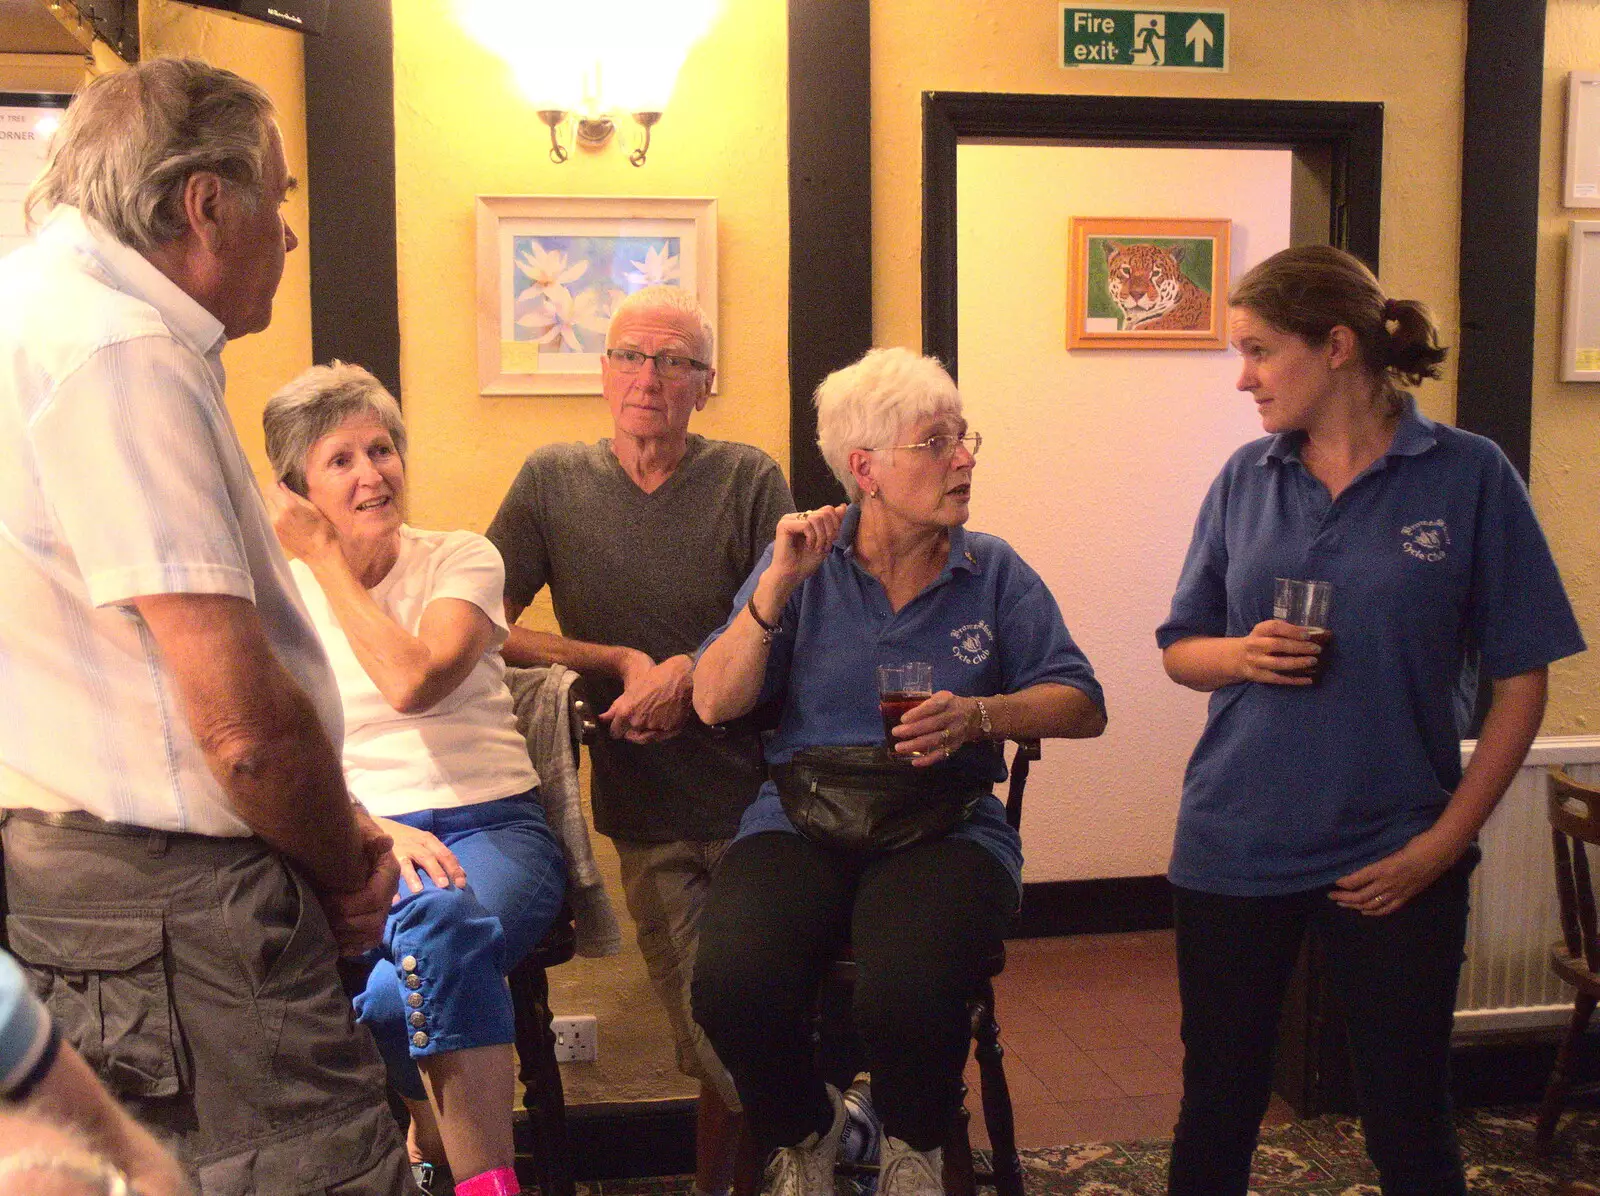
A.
pixel 1182 39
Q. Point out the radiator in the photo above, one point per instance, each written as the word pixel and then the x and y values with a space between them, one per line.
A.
pixel 1506 982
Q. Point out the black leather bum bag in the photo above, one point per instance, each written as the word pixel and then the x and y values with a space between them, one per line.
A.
pixel 857 799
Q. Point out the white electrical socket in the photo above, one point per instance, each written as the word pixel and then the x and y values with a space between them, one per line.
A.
pixel 576 1039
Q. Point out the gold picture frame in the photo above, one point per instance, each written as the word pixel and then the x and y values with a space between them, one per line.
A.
pixel 1148 305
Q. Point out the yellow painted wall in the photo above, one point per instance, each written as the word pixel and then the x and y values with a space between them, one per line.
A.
pixel 1566 415
pixel 1364 50
pixel 42 72
pixel 257 365
pixel 462 129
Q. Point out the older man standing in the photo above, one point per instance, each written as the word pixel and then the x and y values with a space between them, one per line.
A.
pixel 644 539
pixel 183 863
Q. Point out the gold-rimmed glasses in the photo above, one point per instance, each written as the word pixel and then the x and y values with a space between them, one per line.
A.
pixel 942 446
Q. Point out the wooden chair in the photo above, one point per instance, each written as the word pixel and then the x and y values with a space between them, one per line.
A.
pixel 1005 1171
pixel 1574 823
pixel 542 1094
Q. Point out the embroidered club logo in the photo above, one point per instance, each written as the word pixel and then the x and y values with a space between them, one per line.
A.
pixel 1427 540
pixel 973 643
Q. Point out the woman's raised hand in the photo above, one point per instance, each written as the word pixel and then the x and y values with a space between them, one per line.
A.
pixel 802 541
pixel 1277 653
pixel 302 529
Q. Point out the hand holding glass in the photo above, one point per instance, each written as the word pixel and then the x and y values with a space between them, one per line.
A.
pixel 1306 604
pixel 901 687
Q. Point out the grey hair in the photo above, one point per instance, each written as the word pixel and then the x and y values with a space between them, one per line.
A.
pixel 674 299
pixel 864 406
pixel 315 403
pixel 131 139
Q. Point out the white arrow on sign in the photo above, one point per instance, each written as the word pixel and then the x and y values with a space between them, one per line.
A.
pixel 1198 40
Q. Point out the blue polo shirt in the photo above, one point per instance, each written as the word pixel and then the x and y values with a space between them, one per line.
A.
pixel 987 622
pixel 29 1040
pixel 1438 567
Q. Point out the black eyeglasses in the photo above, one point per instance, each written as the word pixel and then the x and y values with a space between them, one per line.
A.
pixel 672 366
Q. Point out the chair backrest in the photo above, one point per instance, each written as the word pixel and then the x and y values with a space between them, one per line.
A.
pixel 1575 822
pixel 1027 752
pixel 581 720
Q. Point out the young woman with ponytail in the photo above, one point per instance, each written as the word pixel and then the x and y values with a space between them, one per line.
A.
pixel 1331 800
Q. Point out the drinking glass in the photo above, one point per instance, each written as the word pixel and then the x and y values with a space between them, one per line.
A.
pixel 901 687
pixel 1306 604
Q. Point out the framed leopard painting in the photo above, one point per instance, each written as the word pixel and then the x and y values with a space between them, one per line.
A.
pixel 1142 283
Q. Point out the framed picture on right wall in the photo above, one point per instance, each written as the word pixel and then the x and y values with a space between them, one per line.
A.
pixel 1580 328
pixel 1140 283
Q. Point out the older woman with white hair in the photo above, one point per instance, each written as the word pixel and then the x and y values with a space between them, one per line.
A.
pixel 898 847
pixel 412 622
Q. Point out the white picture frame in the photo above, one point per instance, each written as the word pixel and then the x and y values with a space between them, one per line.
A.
pixel 1580 180
pixel 588 252
pixel 1580 330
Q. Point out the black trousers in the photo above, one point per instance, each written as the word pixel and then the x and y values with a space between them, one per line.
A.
pixel 1395 979
pixel 921 922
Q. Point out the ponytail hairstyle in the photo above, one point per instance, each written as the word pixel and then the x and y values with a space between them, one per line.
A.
pixel 1308 290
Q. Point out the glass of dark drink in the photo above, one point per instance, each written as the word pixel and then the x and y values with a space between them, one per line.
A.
pixel 900 688
pixel 1307 604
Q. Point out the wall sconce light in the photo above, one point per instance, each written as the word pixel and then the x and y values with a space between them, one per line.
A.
pixel 592 70
pixel 592 132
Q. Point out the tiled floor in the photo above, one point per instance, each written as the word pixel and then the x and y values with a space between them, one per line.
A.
pixel 1090 1030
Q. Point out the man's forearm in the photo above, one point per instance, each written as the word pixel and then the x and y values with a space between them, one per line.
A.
pixel 283 778
pixel 526 647
pixel 71 1095
pixel 260 733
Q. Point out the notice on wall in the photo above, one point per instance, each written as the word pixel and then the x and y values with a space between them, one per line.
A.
pixel 25 129
pixel 1151 39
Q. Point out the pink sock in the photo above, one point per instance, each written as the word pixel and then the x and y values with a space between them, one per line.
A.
pixel 502 1181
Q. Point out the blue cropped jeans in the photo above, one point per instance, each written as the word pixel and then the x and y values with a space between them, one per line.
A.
pixel 437 983
pixel 1394 978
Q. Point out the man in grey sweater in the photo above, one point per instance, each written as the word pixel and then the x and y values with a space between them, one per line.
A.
pixel 644 539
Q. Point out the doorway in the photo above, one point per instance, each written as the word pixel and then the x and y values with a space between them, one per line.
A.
pixel 1099 459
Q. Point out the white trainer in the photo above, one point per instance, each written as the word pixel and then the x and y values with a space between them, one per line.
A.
pixel 907 1172
pixel 807 1169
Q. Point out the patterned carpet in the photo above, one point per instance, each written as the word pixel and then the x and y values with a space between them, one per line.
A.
pixel 1327 1157
pixel 1322 1157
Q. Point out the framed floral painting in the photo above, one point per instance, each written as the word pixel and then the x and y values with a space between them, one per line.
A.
pixel 1139 283
pixel 552 269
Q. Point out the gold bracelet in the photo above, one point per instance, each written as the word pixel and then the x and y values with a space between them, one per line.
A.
pixel 984 725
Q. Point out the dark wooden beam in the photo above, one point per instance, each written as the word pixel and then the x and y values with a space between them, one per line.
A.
pixel 830 217
pixel 1500 222
pixel 355 286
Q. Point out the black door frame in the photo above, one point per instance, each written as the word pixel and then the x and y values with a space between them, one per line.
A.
pixel 1351 132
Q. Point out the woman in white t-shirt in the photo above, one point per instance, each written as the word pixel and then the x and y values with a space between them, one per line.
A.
pixel 412 622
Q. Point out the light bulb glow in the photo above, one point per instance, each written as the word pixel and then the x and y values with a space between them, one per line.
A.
pixel 591 56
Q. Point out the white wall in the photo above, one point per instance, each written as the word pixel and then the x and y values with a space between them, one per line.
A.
pixel 1094 462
